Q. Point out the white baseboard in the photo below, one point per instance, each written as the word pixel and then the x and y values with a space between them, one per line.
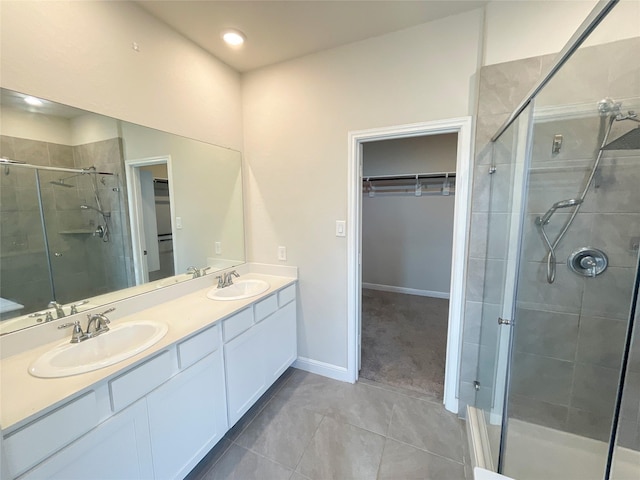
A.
pixel 321 368
pixel 408 291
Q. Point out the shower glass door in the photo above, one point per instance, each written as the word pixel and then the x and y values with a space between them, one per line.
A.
pixel 503 233
pixel 573 305
pixel 85 245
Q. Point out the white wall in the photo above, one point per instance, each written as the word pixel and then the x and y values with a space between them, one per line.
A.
pixel 80 54
pixel 407 240
pixel 297 116
pixel 528 28
pixel 206 190
pixel 33 126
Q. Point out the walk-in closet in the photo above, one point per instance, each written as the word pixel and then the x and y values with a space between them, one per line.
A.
pixel 408 191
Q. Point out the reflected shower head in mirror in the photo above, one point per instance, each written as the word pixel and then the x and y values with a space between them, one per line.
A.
pixel 571 202
pixel 62 182
pixel 89 207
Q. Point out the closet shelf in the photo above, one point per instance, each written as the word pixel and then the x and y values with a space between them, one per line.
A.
pixel 409 176
pixel 418 184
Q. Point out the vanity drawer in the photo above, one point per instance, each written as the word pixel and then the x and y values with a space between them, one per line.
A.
pixel 48 434
pixel 137 382
pixel 266 307
pixel 198 346
pixel 286 295
pixel 234 326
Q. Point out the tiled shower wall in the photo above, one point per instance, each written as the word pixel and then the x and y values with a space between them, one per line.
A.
pixel 84 265
pixel 569 335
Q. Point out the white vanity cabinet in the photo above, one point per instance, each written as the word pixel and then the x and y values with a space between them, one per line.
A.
pixel 160 417
pixel 260 344
pixel 118 448
pixel 187 414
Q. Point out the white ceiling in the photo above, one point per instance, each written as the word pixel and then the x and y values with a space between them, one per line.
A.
pixel 281 30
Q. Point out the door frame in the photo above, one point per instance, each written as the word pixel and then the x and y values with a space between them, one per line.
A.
pixel 132 174
pixel 462 216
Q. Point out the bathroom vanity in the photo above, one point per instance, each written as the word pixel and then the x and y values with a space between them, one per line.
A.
pixel 157 413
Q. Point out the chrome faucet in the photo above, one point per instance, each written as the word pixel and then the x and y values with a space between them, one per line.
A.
pixel 59 311
pixel 48 317
pixel 197 272
pixel 226 279
pixel 97 324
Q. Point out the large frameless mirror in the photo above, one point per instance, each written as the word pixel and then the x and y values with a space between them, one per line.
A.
pixel 94 209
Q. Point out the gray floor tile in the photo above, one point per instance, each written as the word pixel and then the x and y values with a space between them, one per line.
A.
pixel 281 432
pixel 341 451
pixel 241 464
pixel 406 462
pixel 427 426
pixel 360 405
pixel 200 470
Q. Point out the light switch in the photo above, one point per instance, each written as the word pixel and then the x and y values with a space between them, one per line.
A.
pixel 178 223
pixel 218 248
pixel 341 228
pixel 282 253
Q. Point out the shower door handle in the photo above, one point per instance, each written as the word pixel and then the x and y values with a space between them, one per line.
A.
pixel 503 321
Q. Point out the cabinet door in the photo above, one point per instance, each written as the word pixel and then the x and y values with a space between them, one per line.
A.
pixel 187 416
pixel 118 448
pixel 244 366
pixel 278 332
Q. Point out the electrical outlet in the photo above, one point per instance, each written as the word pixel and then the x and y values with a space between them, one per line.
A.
pixel 178 223
pixel 282 253
pixel 218 247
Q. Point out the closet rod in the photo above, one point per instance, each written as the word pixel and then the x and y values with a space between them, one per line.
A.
pixel 409 176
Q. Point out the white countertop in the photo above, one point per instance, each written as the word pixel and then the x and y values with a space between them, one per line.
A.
pixel 22 396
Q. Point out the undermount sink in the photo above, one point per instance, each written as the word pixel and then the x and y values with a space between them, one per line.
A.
pixel 239 290
pixel 119 343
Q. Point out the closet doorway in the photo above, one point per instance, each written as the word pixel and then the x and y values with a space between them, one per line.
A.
pixel 358 140
pixel 408 191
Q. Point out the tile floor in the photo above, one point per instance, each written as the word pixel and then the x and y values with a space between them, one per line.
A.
pixel 310 427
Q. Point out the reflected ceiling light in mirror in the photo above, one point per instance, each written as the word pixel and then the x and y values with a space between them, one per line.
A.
pixel 234 38
pixel 33 101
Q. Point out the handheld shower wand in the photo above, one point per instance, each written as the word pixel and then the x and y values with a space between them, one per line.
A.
pixel 544 219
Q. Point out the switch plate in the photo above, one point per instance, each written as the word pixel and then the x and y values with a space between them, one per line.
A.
pixel 341 228
pixel 218 248
pixel 178 223
pixel 282 253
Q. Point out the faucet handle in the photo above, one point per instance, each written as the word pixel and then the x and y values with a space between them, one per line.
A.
pixel 74 306
pixel 78 335
pixel 204 271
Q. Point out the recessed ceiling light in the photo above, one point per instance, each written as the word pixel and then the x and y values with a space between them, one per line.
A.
pixel 36 102
pixel 232 37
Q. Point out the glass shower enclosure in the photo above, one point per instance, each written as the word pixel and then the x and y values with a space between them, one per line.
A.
pixel 559 357
pixel 61 235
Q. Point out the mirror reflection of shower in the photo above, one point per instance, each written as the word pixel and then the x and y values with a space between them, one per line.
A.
pixel 50 250
pixel 610 112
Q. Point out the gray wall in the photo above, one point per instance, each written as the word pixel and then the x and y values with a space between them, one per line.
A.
pixel 407 240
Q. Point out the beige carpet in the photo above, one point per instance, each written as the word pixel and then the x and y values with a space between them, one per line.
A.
pixel 404 341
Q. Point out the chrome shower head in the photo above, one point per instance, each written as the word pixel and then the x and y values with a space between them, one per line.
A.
pixel 570 202
pixel 89 207
pixel 627 141
pixel 60 183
